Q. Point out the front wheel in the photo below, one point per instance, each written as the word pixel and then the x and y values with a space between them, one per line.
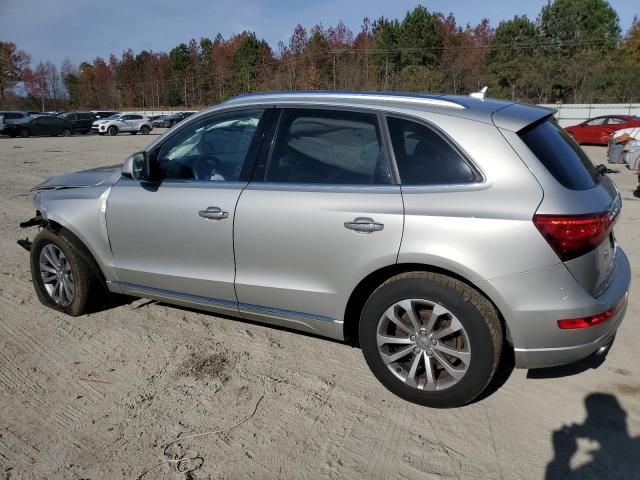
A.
pixel 113 131
pixel 61 276
pixel 431 339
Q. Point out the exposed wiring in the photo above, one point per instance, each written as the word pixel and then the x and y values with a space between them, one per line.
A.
pixel 185 463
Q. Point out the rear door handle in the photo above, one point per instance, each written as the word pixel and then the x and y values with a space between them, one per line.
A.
pixel 213 213
pixel 364 225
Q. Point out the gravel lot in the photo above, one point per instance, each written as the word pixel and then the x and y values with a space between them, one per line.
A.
pixel 105 395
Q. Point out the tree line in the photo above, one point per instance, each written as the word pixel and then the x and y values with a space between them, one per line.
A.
pixel 573 52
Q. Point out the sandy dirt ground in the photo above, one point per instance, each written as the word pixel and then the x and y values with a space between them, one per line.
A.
pixel 105 396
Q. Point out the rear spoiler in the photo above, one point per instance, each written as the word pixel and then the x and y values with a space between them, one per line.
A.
pixel 517 116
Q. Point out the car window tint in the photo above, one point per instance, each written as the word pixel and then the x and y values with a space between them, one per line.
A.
pixel 561 155
pixel 328 147
pixel 211 149
pixel 424 157
pixel 595 121
pixel 616 121
pixel 13 116
pixel 135 117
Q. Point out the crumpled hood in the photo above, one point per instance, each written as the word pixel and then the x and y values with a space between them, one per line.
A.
pixel 102 176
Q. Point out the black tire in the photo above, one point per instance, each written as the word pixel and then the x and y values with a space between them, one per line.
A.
pixel 83 276
pixel 476 314
pixel 66 132
pixel 144 130
pixel 25 132
pixel 113 130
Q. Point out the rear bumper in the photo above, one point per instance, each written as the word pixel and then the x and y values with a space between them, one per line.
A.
pixel 533 302
pixel 552 357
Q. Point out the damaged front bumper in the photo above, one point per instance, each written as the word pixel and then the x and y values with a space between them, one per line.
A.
pixel 38 220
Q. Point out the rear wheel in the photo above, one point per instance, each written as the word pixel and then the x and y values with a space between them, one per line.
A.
pixel 112 130
pixel 145 130
pixel 431 339
pixel 62 277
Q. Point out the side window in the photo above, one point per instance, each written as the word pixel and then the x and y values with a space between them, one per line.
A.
pixel 424 157
pixel 594 122
pixel 212 149
pixel 125 117
pixel 327 147
pixel 615 121
pixel 135 117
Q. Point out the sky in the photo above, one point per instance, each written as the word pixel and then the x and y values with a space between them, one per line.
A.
pixel 84 29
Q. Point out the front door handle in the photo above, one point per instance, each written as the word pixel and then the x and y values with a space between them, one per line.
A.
pixel 213 213
pixel 364 225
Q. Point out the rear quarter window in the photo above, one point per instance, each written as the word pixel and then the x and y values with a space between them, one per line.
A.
pixel 561 155
pixel 424 157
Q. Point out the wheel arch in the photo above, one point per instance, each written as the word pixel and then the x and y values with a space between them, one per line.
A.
pixel 367 286
pixel 76 241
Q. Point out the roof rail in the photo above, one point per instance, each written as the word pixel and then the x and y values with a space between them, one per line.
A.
pixel 423 99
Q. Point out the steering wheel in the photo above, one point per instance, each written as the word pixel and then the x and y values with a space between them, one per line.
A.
pixel 205 167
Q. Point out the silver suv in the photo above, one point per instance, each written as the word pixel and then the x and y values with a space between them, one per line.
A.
pixel 436 232
pixel 128 122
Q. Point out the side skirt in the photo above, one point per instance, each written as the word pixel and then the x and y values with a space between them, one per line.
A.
pixel 306 322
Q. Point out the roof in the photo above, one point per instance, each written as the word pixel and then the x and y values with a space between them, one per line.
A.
pixel 505 114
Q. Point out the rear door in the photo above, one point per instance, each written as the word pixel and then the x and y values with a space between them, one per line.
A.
pixel 321 213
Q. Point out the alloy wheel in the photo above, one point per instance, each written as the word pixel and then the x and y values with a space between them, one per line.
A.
pixel 56 275
pixel 423 344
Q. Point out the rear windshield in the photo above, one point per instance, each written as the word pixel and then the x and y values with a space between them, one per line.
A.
pixel 562 156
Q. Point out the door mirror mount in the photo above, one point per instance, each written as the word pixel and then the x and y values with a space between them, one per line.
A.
pixel 135 167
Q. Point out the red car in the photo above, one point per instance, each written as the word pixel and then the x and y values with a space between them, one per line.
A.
pixel 597 130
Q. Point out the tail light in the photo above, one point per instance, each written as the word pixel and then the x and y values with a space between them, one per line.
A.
pixel 583 322
pixel 574 235
pixel 592 320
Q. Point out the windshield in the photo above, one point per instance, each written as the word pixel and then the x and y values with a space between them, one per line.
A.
pixel 113 117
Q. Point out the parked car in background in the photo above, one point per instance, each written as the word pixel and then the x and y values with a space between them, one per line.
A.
pixel 39 125
pixel 81 121
pixel 597 130
pixel 435 232
pixel 123 123
pixel 157 120
pixel 99 114
pixel 10 117
pixel 171 120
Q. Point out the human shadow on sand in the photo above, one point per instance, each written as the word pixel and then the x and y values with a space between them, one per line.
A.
pixel 617 455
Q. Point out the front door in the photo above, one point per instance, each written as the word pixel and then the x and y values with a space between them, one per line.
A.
pixel 172 236
pixel 321 214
